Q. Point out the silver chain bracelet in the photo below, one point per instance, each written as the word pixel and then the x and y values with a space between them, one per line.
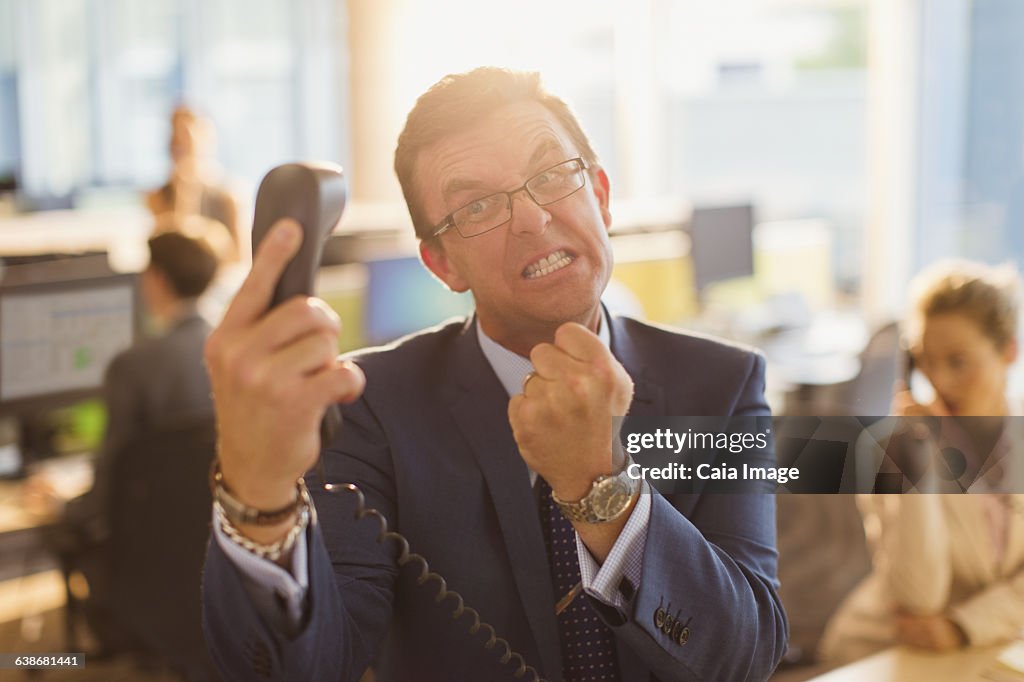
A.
pixel 272 551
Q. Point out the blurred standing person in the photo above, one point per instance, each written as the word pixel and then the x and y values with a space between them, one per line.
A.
pixel 195 186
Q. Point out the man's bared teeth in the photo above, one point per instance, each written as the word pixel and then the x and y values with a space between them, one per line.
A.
pixel 545 266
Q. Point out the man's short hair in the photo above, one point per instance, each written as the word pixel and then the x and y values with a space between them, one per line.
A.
pixel 457 102
pixel 189 262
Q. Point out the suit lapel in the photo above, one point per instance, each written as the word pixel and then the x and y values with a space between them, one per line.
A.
pixel 479 409
pixel 648 401
pixel 648 395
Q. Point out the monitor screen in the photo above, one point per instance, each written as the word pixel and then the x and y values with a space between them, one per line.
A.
pixel 721 240
pixel 57 339
pixel 403 297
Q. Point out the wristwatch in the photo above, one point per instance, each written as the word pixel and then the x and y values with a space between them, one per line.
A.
pixel 608 498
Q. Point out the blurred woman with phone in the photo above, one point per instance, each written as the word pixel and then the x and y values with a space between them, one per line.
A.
pixel 948 569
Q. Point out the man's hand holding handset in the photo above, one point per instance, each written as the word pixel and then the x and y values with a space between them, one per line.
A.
pixel 274 372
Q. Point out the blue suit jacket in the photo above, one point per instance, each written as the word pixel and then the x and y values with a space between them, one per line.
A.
pixel 430 445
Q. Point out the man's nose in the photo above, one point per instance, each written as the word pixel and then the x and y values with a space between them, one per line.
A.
pixel 528 217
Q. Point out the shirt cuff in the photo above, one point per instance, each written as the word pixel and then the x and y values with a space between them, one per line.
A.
pixel 624 563
pixel 279 596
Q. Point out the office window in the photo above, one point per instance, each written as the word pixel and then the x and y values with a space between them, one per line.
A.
pixel 992 225
pixel 571 42
pixel 252 59
pixel 100 78
pixel 765 101
pixel 52 70
pixel 947 140
pixel 759 100
pixel 10 148
pixel 139 79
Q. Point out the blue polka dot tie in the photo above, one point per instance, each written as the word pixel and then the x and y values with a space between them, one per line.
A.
pixel 588 647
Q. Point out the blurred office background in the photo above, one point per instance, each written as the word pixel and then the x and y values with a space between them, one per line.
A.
pixel 896 125
pixel 780 170
pixel 871 137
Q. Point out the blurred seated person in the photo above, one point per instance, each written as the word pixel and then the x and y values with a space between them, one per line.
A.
pixel 213 233
pixel 158 383
pixel 948 570
pixel 195 187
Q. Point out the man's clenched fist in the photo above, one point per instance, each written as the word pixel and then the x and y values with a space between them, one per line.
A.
pixel 562 421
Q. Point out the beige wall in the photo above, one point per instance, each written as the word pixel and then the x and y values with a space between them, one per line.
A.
pixel 374 27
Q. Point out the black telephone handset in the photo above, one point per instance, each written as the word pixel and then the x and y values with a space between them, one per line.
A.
pixel 314 195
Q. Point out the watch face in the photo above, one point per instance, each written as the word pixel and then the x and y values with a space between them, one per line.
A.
pixel 610 497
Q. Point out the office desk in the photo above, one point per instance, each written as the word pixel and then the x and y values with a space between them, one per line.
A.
pixel 900 664
pixel 803 362
pixel 23 550
pixel 826 352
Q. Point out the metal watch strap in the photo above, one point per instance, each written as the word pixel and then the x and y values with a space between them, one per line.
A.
pixel 582 510
pixel 579 511
pixel 238 512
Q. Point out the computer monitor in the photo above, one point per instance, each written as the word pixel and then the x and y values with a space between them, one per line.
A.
pixel 402 297
pixel 721 244
pixel 60 326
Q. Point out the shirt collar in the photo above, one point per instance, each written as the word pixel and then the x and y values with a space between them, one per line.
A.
pixel 512 368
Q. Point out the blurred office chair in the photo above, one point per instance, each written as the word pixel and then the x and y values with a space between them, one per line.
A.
pixel 161 523
pixel 823 555
pixel 869 393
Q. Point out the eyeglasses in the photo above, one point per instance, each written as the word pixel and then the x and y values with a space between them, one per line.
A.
pixel 494 210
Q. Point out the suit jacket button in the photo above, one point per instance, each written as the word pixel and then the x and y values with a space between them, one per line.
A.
pixel 659 617
pixel 666 627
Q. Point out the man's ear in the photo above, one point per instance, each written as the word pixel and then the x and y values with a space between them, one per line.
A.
pixel 602 190
pixel 155 279
pixel 433 255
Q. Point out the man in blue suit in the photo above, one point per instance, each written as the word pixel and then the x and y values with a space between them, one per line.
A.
pixel 486 442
